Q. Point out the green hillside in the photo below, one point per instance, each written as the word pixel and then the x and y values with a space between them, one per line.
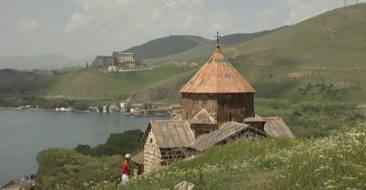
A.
pixel 165 46
pixel 322 58
pixel 92 84
pixel 202 52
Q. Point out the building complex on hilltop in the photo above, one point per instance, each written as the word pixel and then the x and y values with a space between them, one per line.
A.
pixel 117 59
pixel 217 108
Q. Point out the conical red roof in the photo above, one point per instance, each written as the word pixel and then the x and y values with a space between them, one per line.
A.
pixel 217 75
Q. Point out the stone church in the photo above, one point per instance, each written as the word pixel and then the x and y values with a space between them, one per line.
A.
pixel 217 108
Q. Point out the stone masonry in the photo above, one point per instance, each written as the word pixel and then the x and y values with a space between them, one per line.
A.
pixel 152 154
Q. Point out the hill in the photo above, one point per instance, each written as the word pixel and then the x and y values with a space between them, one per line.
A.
pixel 85 84
pixel 36 62
pixel 322 58
pixel 312 60
pixel 165 46
pixel 202 52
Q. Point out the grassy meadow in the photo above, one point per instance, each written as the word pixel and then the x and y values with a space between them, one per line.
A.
pixel 335 162
pixel 328 152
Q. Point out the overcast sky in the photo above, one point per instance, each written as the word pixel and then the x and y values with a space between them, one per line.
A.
pixel 83 28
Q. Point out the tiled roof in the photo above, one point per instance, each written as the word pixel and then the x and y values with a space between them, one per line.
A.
pixel 276 127
pixel 253 119
pixel 203 117
pixel 225 130
pixel 171 133
pixel 138 158
pixel 217 75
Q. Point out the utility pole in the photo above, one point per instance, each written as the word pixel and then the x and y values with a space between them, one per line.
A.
pixel 345 3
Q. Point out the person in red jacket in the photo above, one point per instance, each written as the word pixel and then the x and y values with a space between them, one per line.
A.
pixel 125 168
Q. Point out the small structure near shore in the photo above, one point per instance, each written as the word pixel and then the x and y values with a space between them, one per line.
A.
pixel 217 109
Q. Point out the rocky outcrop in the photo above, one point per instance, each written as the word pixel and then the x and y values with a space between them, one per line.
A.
pixel 184 185
pixel 158 93
pixel 18 184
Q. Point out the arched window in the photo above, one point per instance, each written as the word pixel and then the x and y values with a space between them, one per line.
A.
pixel 230 117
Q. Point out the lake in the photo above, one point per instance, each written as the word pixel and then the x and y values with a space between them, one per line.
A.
pixel 23 134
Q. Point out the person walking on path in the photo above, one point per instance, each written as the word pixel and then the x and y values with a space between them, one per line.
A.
pixel 125 169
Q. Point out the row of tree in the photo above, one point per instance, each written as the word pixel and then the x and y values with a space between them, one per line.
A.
pixel 85 166
pixel 117 144
pixel 43 102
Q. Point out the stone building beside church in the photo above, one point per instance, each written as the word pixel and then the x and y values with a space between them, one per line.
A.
pixel 217 108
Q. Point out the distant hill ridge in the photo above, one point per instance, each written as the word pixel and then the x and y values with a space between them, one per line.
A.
pixel 157 48
pixel 202 51
pixel 165 46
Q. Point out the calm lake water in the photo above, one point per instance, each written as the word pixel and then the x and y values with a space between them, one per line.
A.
pixel 25 133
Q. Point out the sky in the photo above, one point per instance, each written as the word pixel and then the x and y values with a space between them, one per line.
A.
pixel 83 28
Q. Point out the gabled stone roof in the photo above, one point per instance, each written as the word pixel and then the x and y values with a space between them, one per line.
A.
pixel 170 133
pixel 276 127
pixel 225 130
pixel 202 117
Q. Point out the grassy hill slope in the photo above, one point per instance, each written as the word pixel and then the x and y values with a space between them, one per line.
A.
pixel 202 52
pixel 334 39
pixel 91 84
pixel 313 60
pixel 165 46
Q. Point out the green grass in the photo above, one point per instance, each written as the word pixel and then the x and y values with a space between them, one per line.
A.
pixel 328 163
pixel 91 84
pixel 334 162
pixel 322 151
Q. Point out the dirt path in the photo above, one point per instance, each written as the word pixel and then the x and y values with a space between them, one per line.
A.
pixel 314 68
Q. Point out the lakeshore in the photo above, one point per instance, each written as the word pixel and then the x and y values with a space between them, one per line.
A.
pixel 17 184
pixel 24 133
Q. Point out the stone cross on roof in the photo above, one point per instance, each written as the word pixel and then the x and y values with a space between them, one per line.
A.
pixel 217 37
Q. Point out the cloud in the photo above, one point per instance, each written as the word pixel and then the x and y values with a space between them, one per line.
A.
pixel 151 18
pixel 303 9
pixel 267 18
pixel 77 21
pixel 107 25
pixel 27 25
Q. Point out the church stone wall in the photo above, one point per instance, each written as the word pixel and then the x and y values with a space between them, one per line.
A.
pixel 232 106
pixel 193 103
pixel 236 107
pixel 152 154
